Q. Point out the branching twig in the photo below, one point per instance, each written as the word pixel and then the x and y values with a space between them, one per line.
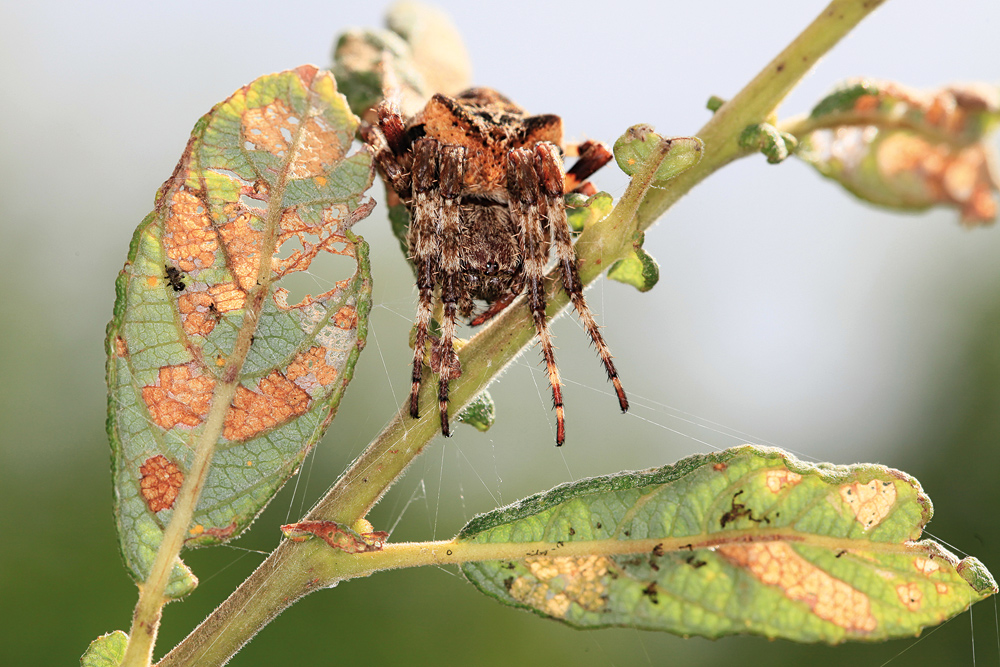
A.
pixel 296 568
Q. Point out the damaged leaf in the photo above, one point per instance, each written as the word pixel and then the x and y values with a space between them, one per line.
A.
pixel 420 54
pixel 268 167
pixel 908 149
pixel 747 540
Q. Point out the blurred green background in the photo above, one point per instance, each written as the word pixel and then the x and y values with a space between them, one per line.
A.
pixel 785 310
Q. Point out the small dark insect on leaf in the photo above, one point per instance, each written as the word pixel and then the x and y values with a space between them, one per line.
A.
pixel 174 277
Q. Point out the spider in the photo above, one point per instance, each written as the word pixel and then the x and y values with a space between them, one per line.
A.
pixel 484 183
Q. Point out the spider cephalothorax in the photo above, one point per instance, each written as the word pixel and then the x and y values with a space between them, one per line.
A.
pixel 484 184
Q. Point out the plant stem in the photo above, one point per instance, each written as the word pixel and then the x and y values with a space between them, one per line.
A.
pixel 758 100
pixel 296 568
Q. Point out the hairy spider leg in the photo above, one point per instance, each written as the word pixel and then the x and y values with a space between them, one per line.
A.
pixel 522 183
pixel 423 241
pixel 592 156
pixel 550 171
pixel 450 187
pixel 389 140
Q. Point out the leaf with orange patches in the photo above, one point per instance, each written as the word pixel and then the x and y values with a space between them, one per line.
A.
pixel 908 149
pixel 204 272
pixel 747 540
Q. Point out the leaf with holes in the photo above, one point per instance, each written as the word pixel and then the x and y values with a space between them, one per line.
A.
pixel 908 149
pixel 267 168
pixel 748 540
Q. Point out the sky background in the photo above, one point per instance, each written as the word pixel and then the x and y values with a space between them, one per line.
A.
pixel 787 313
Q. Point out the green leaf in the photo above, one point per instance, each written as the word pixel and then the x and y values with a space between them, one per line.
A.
pixel 480 413
pixel 748 540
pixel 639 269
pixel 582 212
pixel 640 144
pixel 270 160
pixel 764 137
pixel 106 651
pixel 367 62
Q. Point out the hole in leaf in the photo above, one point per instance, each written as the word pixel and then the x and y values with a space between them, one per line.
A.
pixel 323 273
pixel 288 248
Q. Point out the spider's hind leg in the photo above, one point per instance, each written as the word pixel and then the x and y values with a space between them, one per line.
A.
pixel 551 178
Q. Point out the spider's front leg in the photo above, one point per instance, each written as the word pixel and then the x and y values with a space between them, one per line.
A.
pixel 550 171
pixel 423 240
pixel 524 191
pixel 452 288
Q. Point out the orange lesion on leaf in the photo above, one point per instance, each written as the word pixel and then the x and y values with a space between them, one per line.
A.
pixel 196 309
pixel 318 145
pixel 942 589
pixel 346 318
pixel 223 533
pixel 553 584
pixel 319 149
pixel 910 595
pixel 311 365
pixel 870 502
pixel 121 347
pixel 940 174
pixel 181 396
pixel 227 297
pixel 949 110
pixel 776 480
pixel 777 564
pixel 189 238
pixel 243 249
pixel 276 400
pixel 160 482
pixel 925 566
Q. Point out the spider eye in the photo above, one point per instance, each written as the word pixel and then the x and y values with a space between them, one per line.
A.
pixel 491 268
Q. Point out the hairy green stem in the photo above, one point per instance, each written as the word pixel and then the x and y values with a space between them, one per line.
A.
pixel 296 568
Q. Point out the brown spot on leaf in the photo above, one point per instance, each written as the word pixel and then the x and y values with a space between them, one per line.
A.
pixel 181 396
pixel 227 297
pixel 925 565
pixel 719 467
pixel 319 146
pixel 188 235
pixel 776 480
pixel 555 583
pixel 910 595
pixel 223 533
pixel 346 318
pixel 196 309
pixel 121 348
pixel 777 564
pixel 311 365
pixel 870 502
pixel 243 248
pixel 276 400
pixel 160 482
